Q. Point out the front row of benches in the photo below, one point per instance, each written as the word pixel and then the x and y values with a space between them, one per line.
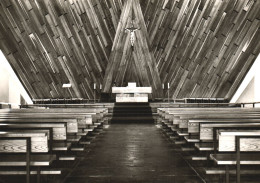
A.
pixel 38 138
pixel 228 136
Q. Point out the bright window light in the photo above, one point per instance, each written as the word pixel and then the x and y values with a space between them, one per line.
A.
pixel 253 72
pixel 5 64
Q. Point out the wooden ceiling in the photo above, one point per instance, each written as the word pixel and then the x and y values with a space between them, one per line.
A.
pixel 203 48
pixel 136 56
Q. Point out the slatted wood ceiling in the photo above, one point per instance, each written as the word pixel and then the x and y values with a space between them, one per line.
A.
pixel 203 48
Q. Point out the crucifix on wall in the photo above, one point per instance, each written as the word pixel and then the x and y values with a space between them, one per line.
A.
pixel 132 34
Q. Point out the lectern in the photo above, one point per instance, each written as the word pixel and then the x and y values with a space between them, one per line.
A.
pixel 131 93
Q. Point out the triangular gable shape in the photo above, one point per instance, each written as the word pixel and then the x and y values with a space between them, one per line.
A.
pixel 143 67
pixel 12 90
pixel 130 74
pixel 249 81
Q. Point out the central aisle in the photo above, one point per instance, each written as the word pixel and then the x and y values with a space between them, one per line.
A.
pixel 132 153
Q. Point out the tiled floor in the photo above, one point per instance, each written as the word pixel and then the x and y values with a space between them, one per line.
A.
pixel 132 153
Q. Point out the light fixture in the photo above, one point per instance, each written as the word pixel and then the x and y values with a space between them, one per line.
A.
pixel 66 85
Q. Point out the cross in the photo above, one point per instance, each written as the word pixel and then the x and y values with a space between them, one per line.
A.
pixel 132 34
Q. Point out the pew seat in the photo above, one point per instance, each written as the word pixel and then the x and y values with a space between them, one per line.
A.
pixel 204 146
pixel 61 146
pixel 222 171
pixel 174 128
pixel 33 171
pixel 59 129
pixel 199 158
pixel 20 160
pixel 182 133
pixel 230 158
pixel 193 138
pixel 67 158
pixel 88 130
pixel 73 138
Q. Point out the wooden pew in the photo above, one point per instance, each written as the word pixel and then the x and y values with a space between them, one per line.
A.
pixel 78 121
pixel 84 119
pixel 62 123
pixel 73 126
pixel 226 140
pixel 245 142
pixel 71 123
pixel 83 122
pixel 181 119
pixel 39 144
pixel 185 119
pixel 58 132
pixel 194 124
pixel 39 140
pixel 59 129
pixel 222 120
pixel 189 128
pixel 12 157
pixel 168 112
pixel 207 137
pixel 207 129
pixel 97 113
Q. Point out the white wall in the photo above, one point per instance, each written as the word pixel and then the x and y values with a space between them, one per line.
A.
pixel 11 88
pixel 249 90
pixel 248 95
pixel 4 85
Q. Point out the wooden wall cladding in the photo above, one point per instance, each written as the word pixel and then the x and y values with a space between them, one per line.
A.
pixel 203 48
pixel 51 42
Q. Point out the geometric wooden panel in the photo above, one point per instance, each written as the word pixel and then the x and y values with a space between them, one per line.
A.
pixel 203 48
pixel 135 56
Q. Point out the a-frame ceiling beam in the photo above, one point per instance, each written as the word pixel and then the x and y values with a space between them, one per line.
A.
pixel 144 59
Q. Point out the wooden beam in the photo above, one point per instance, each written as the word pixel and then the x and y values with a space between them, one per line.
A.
pixel 144 60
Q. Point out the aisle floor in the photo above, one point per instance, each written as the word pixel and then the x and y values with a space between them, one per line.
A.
pixel 132 153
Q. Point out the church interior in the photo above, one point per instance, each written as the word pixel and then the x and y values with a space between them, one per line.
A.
pixel 129 91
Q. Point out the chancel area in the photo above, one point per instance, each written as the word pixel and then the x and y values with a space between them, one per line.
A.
pixel 129 91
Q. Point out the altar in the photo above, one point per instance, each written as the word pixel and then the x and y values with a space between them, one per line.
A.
pixel 131 93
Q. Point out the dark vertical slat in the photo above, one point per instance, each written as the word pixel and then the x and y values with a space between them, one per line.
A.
pixel 238 158
pixel 28 152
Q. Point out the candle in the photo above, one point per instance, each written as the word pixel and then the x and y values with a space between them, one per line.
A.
pixel 100 86
pixel 94 86
pixel 168 85
pixel 162 86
